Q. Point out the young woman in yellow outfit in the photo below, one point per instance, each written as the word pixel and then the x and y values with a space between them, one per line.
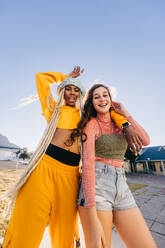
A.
pixel 48 189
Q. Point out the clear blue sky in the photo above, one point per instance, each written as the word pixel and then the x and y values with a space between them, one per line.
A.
pixel 120 42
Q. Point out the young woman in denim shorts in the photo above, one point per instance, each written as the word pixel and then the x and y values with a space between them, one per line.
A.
pixel 104 197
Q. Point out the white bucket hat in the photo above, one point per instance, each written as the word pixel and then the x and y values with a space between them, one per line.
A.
pixel 71 81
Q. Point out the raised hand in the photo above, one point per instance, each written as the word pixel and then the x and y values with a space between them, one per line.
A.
pixel 76 72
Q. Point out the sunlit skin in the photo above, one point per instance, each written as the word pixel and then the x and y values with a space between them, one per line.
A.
pixel 101 100
pixel 71 94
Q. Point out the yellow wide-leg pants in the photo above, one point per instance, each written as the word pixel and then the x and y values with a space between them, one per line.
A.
pixel 48 197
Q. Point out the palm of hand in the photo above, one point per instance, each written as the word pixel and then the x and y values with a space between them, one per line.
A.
pixel 76 72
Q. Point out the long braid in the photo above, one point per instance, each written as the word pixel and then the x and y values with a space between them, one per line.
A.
pixel 36 157
pixel 80 106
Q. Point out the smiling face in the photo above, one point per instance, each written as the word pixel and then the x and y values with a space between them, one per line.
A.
pixel 101 100
pixel 71 94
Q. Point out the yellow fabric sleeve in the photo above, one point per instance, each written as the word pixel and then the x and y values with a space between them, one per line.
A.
pixel 118 119
pixel 43 81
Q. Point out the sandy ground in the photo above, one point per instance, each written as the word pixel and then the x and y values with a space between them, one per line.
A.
pixel 7 179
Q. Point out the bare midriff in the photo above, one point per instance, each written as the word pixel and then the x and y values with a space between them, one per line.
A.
pixel 60 139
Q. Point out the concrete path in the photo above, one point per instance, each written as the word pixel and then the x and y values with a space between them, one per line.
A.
pixel 151 201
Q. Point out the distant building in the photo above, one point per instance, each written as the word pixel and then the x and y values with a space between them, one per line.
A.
pixel 127 166
pixel 7 149
pixel 151 160
pixel 8 153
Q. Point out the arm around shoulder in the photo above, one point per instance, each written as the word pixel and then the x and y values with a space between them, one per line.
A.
pixel 120 109
pixel 118 118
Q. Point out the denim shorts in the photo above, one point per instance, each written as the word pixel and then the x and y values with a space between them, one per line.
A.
pixel 111 189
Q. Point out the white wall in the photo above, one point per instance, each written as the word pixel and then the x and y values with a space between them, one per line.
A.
pixel 7 155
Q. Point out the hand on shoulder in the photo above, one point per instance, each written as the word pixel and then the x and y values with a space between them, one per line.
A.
pixel 134 140
pixel 120 109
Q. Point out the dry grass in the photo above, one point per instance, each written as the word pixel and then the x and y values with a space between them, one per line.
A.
pixel 7 179
pixel 135 186
pixel 141 192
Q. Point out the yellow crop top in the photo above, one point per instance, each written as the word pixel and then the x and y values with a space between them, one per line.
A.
pixel 69 116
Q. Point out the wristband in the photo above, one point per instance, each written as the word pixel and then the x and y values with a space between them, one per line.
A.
pixel 125 125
